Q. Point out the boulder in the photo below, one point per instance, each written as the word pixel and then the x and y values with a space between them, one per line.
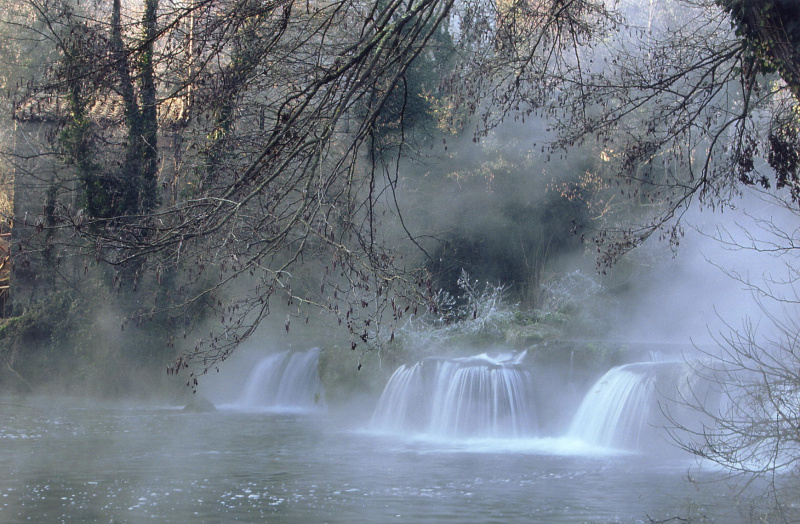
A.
pixel 199 405
pixel 527 335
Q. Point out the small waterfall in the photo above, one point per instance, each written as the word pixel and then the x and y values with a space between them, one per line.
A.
pixel 615 411
pixel 481 396
pixel 287 380
pixel 622 410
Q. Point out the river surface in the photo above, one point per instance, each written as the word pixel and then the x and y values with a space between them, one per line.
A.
pixel 135 464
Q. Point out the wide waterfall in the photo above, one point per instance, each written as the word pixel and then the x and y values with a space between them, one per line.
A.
pixel 481 396
pixel 286 380
pixel 625 408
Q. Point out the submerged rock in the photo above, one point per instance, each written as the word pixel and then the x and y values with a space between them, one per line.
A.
pixel 199 405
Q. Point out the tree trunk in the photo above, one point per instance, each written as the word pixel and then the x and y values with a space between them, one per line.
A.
pixel 149 174
pixel 128 199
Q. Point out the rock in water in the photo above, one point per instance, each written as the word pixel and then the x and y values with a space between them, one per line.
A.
pixel 199 405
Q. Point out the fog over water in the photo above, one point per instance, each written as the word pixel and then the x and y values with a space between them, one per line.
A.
pixel 135 465
pixel 574 409
pixel 492 436
pixel 79 462
pixel 466 439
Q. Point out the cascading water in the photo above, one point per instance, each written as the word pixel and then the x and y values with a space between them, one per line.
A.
pixel 286 380
pixel 481 396
pixel 626 404
pixel 616 409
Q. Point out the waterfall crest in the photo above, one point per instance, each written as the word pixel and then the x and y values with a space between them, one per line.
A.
pixel 616 409
pixel 481 396
pixel 624 408
pixel 286 380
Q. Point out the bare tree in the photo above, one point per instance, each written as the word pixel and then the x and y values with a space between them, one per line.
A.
pixel 747 403
pixel 686 102
pixel 269 115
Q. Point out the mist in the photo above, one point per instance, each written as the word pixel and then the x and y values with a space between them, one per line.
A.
pixel 446 416
pixel 298 425
pixel 714 281
pixel 420 239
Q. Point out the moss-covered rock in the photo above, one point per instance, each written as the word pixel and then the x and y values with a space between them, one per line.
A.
pixel 529 334
pixel 346 373
pixel 199 404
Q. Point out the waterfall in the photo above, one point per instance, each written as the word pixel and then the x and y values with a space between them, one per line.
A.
pixel 614 412
pixel 624 408
pixel 286 380
pixel 481 396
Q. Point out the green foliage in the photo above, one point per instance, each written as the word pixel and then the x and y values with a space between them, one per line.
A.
pixel 75 343
pixel 412 101
pixel 347 374
pixel 527 335
pixel 102 195
pixel 39 345
pixel 771 31
pixel 507 222
pixel 784 155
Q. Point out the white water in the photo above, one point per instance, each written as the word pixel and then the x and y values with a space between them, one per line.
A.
pixel 285 381
pixel 481 396
pixel 616 410
pixel 630 405
pixel 489 401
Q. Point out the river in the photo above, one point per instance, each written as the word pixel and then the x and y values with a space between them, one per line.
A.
pixel 83 462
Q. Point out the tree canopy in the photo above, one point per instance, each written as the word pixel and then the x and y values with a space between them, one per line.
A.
pixel 195 142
